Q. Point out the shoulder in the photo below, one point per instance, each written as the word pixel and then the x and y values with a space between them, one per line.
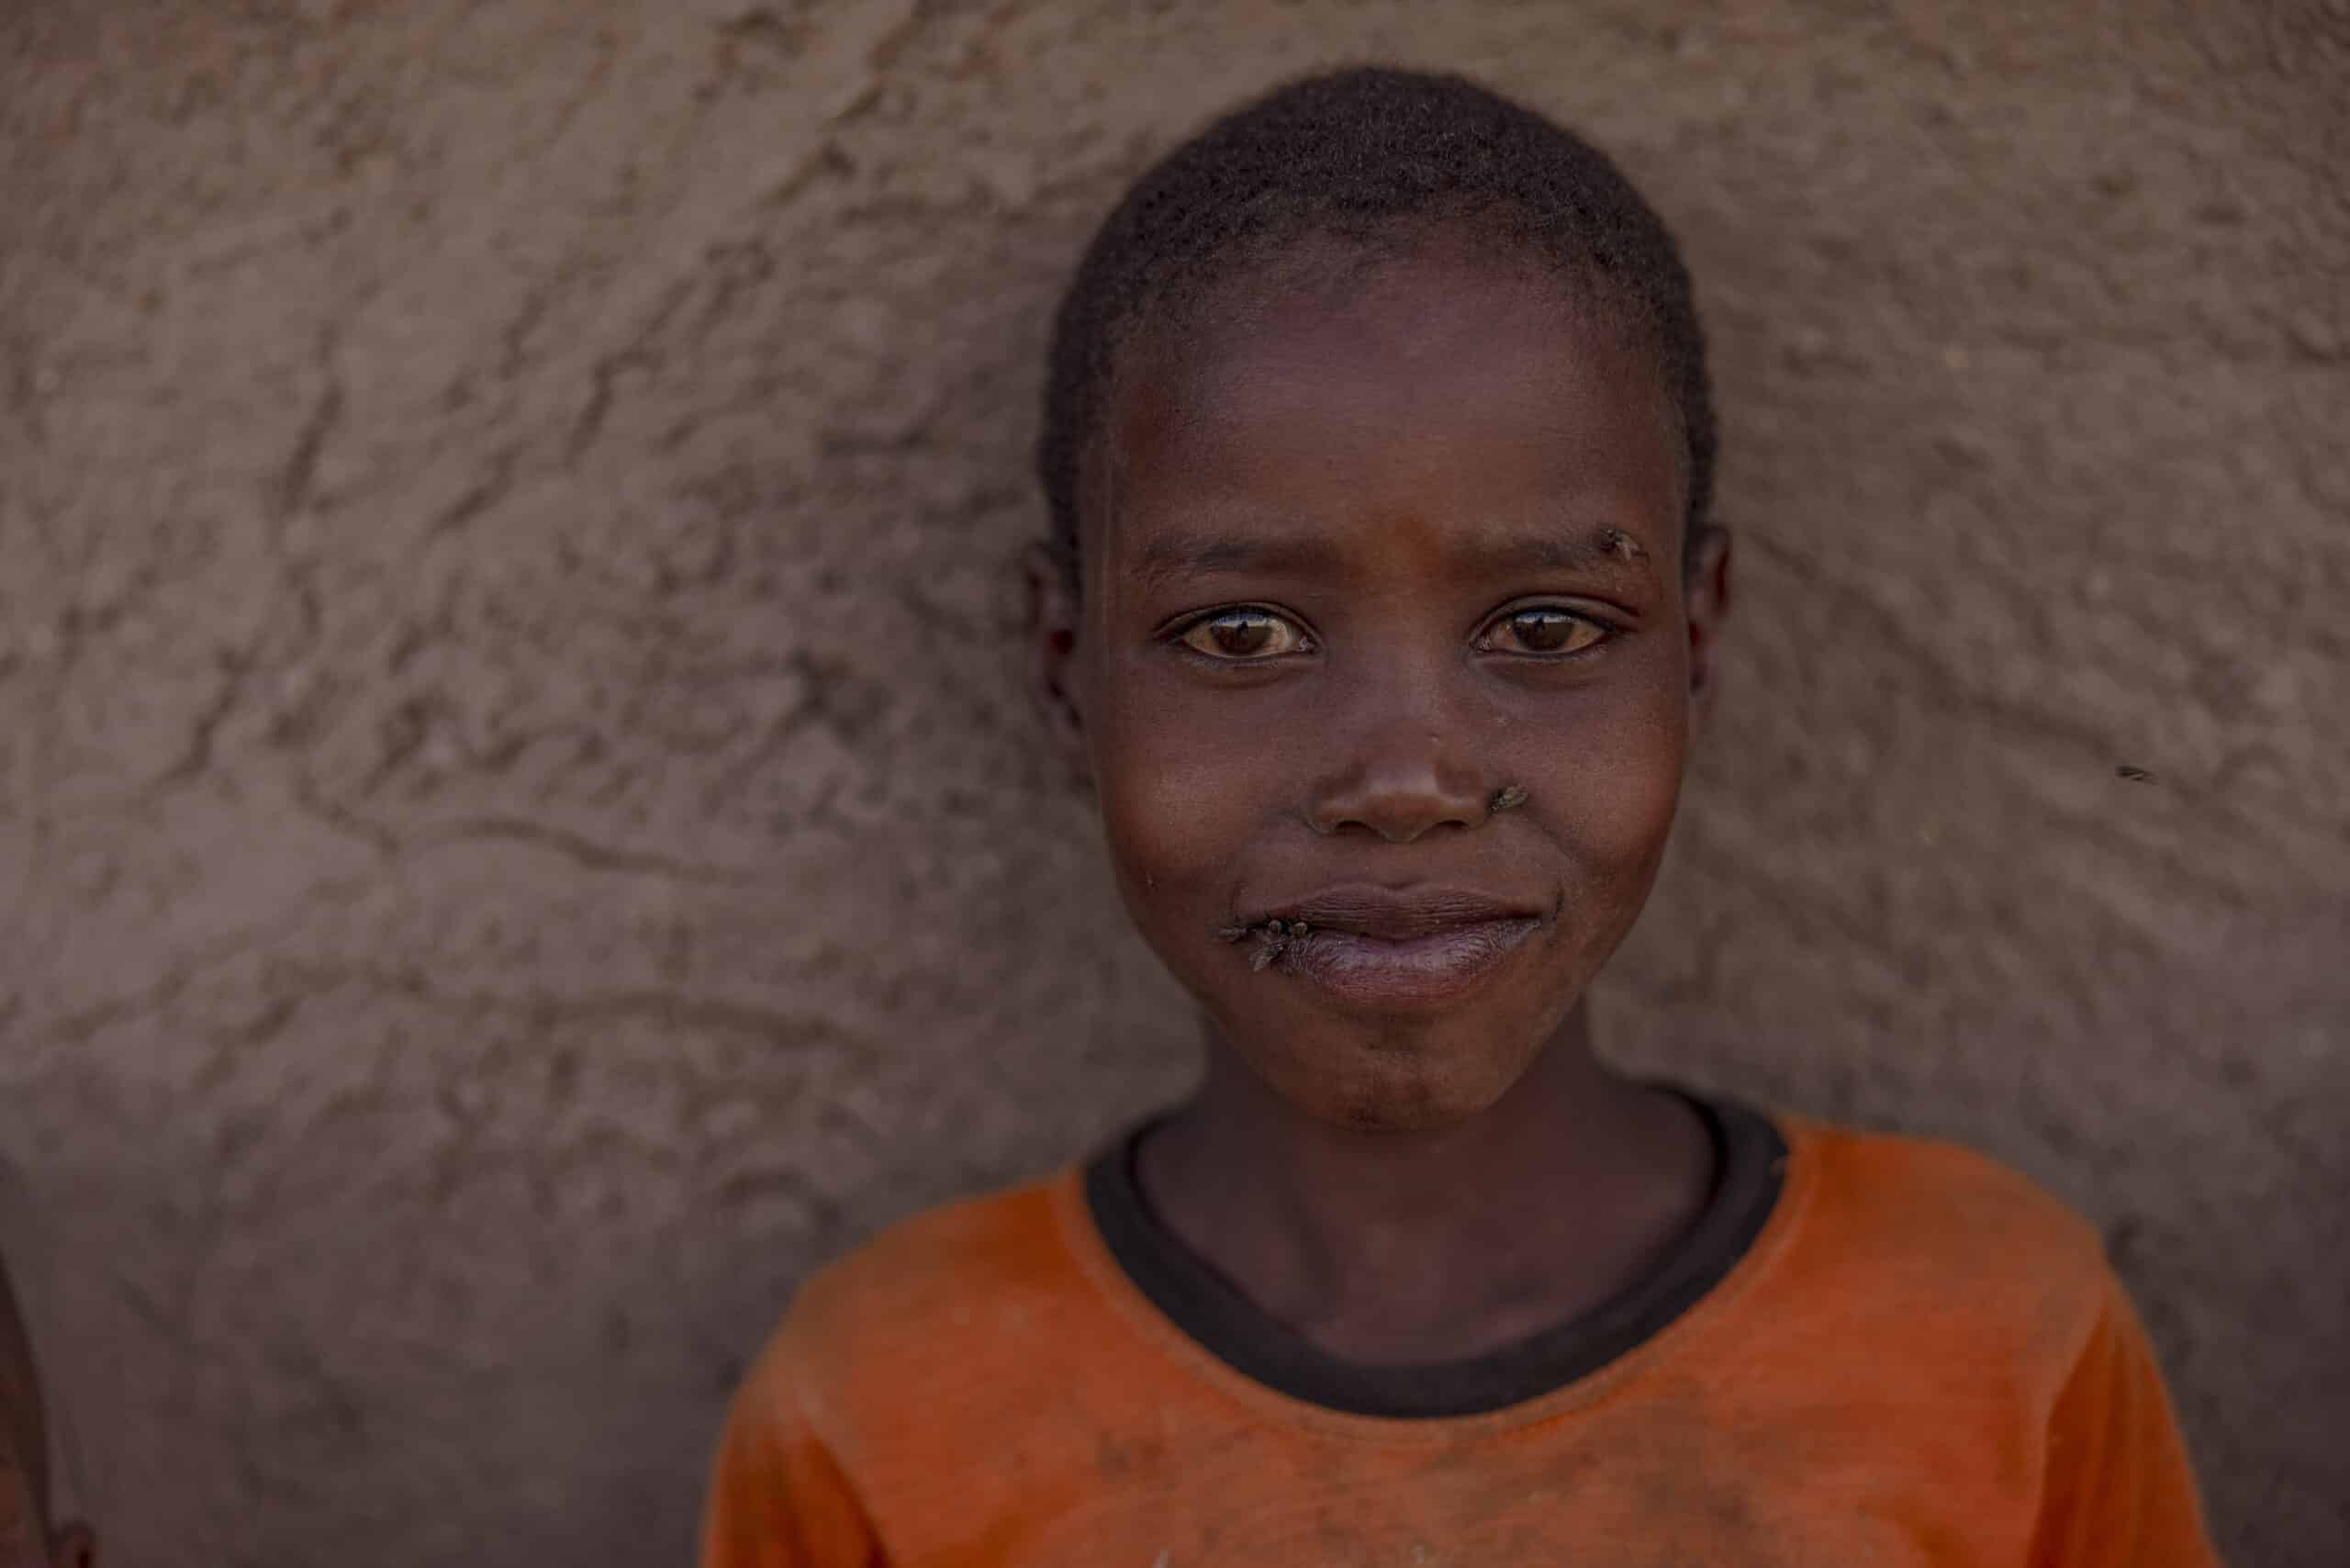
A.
pixel 924 1265
pixel 936 1296
pixel 1942 1202
pixel 1942 1231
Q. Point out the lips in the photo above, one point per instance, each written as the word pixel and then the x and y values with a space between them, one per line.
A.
pixel 1392 949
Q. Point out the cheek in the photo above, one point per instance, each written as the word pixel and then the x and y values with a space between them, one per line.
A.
pixel 1175 807
pixel 1614 782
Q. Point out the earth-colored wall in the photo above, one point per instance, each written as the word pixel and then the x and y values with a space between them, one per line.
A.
pixel 519 826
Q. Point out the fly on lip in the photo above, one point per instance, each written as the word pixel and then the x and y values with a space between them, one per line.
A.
pixel 1275 934
pixel 1380 913
pixel 1385 948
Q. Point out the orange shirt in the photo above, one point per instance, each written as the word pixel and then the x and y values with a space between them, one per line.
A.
pixel 1899 1354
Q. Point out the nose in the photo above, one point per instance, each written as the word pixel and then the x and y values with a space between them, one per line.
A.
pixel 1403 771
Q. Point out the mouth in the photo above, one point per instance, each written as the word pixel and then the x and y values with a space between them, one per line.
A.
pixel 1395 949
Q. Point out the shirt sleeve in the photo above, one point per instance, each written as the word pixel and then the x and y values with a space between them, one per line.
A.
pixel 777 1499
pixel 2119 1491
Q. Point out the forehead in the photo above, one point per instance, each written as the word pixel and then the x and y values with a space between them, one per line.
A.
pixel 1446 378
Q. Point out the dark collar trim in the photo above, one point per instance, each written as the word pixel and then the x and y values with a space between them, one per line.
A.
pixel 1750 1159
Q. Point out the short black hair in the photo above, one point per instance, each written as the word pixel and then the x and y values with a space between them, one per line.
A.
pixel 1354 154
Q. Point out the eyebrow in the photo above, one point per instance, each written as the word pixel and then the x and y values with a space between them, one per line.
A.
pixel 1174 556
pixel 1605 547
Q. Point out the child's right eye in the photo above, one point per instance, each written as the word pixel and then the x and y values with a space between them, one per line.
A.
pixel 1245 635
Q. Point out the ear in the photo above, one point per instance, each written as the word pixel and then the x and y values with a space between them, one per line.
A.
pixel 1052 651
pixel 1705 591
pixel 74 1545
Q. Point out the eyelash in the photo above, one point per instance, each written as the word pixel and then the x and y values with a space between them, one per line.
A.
pixel 1176 635
pixel 1609 630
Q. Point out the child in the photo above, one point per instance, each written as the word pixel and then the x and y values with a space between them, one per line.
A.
pixel 27 1539
pixel 1379 450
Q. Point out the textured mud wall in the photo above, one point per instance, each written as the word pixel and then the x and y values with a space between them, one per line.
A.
pixel 518 825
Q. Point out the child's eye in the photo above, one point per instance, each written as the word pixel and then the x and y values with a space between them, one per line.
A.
pixel 1245 635
pixel 1542 630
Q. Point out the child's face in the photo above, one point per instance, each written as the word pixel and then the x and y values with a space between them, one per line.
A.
pixel 1360 559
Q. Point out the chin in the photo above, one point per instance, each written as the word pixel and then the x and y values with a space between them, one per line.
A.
pixel 1394 1089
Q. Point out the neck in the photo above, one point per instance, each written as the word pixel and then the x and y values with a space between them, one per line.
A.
pixel 1431 1245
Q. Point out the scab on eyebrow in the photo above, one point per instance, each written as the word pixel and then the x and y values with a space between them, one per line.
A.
pixel 1612 550
pixel 1180 556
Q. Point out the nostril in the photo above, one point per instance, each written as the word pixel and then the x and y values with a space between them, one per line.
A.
pixel 1401 797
